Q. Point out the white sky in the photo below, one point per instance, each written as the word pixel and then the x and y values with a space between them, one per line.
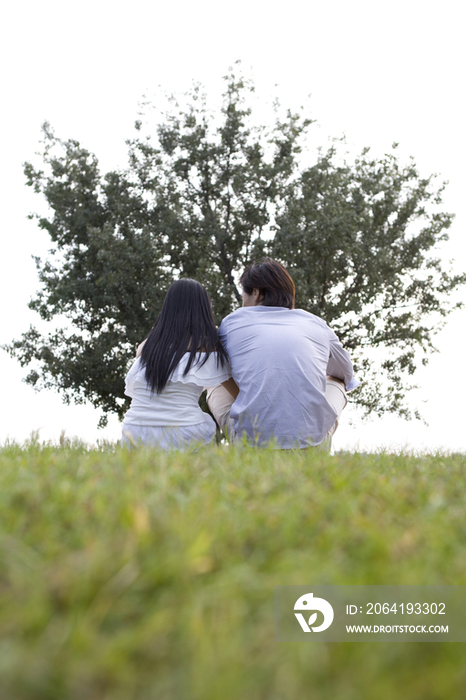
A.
pixel 377 72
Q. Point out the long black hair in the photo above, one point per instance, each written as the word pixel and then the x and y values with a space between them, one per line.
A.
pixel 185 324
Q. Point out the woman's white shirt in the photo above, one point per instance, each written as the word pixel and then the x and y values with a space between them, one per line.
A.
pixel 177 404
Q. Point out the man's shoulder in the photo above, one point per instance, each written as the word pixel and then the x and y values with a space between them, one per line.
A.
pixel 252 313
pixel 226 325
pixel 311 318
pixel 236 314
pixel 226 320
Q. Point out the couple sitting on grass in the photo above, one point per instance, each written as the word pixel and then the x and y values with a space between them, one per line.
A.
pixel 272 372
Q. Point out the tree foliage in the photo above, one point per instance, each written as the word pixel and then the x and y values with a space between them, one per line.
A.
pixel 204 196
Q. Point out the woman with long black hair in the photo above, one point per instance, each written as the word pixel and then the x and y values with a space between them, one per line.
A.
pixel 179 358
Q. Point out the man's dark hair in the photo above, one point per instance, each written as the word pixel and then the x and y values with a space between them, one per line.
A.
pixel 185 325
pixel 273 282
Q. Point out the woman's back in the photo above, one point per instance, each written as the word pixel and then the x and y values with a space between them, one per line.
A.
pixel 177 404
pixel 180 356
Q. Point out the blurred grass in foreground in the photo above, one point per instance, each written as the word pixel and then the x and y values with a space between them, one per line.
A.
pixel 138 575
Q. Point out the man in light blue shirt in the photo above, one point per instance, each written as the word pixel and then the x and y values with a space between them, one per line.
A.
pixel 291 370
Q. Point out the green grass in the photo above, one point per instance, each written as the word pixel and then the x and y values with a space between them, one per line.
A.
pixel 150 576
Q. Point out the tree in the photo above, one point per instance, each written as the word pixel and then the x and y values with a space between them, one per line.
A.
pixel 356 239
pixel 206 196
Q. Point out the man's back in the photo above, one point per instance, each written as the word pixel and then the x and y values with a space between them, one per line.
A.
pixel 280 360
